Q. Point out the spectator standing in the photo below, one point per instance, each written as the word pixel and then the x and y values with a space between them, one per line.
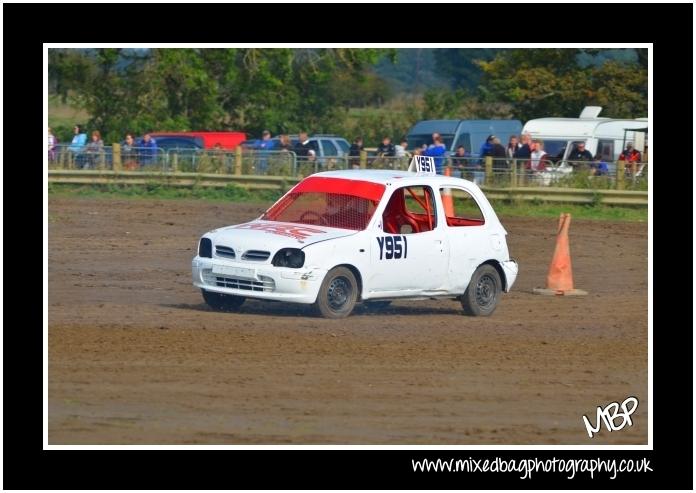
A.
pixel 306 151
pixel 52 143
pixel 459 160
pixel 510 150
pixel 79 140
pixel 400 152
pixel 148 149
pixel 354 153
pixel 513 145
pixel 284 143
pixel 538 159
pixel 524 150
pixel 263 146
pixel 93 150
pixel 630 155
pixel 498 153
pixel 129 153
pixel 386 148
pixel 580 158
pixel 486 148
pixel 600 167
pixel 438 151
pixel 400 149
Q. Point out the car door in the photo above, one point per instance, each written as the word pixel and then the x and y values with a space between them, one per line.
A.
pixel 409 252
pixel 470 240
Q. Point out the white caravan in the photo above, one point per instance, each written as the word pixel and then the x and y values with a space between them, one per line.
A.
pixel 606 137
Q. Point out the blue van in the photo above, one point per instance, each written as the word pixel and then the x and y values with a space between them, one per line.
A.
pixel 469 133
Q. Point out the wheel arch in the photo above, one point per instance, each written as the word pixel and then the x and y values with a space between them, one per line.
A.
pixel 501 272
pixel 356 273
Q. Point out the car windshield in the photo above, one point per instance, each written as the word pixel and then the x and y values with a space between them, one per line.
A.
pixel 331 202
pixel 555 148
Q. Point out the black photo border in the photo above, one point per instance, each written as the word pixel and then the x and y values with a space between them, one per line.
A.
pixel 27 26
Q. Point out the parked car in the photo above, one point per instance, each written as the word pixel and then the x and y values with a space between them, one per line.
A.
pixel 372 236
pixel 328 146
pixel 199 140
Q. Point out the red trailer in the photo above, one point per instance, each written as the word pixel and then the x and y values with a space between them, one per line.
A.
pixel 200 140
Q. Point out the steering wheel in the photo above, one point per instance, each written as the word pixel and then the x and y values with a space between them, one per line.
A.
pixel 322 219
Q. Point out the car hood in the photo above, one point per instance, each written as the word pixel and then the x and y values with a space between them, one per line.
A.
pixel 272 235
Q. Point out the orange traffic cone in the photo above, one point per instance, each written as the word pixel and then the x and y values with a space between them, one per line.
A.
pixel 559 281
pixel 447 197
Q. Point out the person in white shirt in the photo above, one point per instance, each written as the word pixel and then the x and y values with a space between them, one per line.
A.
pixel 537 161
pixel 401 148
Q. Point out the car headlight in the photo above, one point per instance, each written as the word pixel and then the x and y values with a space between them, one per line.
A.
pixel 289 257
pixel 205 248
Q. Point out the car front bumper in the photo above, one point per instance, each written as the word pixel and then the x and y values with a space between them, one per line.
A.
pixel 265 282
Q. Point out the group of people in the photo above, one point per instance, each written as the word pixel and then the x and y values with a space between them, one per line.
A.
pixel 85 153
pixel 387 149
pixel 303 147
pixel 88 152
pixel 526 149
pixel 537 160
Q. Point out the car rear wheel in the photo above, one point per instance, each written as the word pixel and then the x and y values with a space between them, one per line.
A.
pixel 222 302
pixel 483 293
pixel 338 293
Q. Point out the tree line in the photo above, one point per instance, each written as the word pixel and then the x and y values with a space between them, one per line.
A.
pixel 335 90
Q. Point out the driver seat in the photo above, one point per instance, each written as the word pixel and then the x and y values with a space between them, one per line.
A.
pixel 394 214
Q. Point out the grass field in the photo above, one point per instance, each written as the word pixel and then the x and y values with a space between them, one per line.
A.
pixel 64 115
pixel 233 193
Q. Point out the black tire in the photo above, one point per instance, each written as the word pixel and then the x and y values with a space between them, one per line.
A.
pixel 338 293
pixel 377 305
pixel 483 293
pixel 222 302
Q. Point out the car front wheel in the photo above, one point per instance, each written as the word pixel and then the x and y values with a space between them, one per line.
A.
pixel 222 302
pixel 483 293
pixel 338 293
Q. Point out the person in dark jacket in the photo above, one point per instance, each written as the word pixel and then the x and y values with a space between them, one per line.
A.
pixel 580 158
pixel 524 151
pixel 487 147
pixel 305 149
pixel 354 152
pixel 460 160
pixel 498 154
pixel 386 148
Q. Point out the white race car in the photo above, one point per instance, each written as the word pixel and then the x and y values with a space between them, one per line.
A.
pixel 372 236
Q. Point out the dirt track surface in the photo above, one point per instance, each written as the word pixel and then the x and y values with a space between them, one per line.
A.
pixel 136 357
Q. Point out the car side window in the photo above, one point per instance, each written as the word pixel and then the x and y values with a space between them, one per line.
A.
pixel 329 148
pixel 410 210
pixel 461 209
pixel 345 147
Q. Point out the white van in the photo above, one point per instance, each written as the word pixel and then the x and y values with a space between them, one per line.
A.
pixel 606 137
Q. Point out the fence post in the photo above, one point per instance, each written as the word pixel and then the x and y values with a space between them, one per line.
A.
pixel 620 172
pixel 117 157
pixel 513 175
pixel 175 161
pixel 238 160
pixel 489 170
pixel 363 159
